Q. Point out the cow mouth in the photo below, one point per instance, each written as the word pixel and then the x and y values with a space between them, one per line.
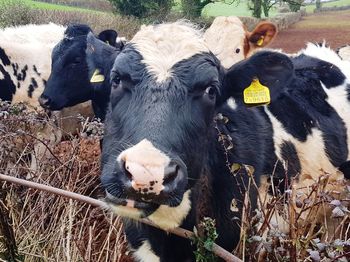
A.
pixel 147 208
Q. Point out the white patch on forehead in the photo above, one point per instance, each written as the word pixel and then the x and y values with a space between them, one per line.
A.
pixel 145 253
pixel 224 37
pixel 162 46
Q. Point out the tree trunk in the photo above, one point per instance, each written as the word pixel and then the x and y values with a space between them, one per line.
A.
pixel 257 8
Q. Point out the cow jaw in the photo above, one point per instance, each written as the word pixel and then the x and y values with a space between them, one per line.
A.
pixel 164 216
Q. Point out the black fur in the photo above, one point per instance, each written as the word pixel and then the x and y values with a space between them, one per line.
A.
pixel 177 116
pixel 69 82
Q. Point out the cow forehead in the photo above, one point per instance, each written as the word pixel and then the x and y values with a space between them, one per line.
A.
pixel 164 45
pixel 223 37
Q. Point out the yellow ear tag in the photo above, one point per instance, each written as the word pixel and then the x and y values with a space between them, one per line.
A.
pixel 256 94
pixel 260 41
pixel 97 77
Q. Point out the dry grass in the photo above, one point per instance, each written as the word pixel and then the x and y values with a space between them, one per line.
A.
pixel 313 224
pixel 46 227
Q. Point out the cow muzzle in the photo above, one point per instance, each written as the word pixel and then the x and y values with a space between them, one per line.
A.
pixel 45 101
pixel 150 176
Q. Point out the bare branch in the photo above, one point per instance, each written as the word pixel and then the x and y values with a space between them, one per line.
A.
pixel 216 249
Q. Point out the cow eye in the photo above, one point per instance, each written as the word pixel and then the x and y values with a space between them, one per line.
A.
pixel 115 81
pixel 238 50
pixel 210 91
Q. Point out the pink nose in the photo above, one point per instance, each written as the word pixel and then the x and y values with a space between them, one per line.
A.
pixel 145 179
pixel 148 169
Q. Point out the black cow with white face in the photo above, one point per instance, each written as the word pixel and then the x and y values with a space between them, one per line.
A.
pixel 162 157
pixel 72 79
pixel 161 141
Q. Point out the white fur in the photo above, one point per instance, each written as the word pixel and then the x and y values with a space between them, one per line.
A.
pixel 160 54
pixel 337 98
pixel 223 37
pixel 232 103
pixel 326 54
pixel 145 253
pixel 30 45
pixel 344 53
pixel 170 217
pixel 165 217
pixel 311 153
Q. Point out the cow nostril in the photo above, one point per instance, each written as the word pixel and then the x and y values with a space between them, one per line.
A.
pixel 44 101
pixel 171 173
pixel 126 171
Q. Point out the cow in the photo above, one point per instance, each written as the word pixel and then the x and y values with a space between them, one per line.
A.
pixel 25 58
pixel 70 90
pixel 231 42
pixel 162 156
pixel 344 52
pixel 73 80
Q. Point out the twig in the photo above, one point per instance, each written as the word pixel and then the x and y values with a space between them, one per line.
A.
pixel 216 249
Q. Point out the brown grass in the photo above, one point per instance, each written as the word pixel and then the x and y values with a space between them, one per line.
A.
pixel 46 227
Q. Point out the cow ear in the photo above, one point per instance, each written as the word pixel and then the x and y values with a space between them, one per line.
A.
pixel 262 35
pixel 109 37
pixel 74 30
pixel 97 55
pixel 259 79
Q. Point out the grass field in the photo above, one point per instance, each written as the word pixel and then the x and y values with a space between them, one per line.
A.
pixel 215 9
pixel 241 9
pixel 48 6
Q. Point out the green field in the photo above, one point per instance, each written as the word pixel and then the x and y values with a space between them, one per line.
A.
pixel 48 6
pixel 241 9
pixel 213 9
pixel 238 9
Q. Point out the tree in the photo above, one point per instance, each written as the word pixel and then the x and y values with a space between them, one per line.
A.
pixel 143 8
pixel 193 8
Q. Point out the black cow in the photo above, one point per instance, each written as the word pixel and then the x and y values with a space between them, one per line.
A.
pixel 72 79
pixel 162 157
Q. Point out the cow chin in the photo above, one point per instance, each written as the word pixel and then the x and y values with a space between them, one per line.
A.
pixel 164 216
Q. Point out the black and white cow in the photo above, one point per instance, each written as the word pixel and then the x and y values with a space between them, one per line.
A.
pixel 161 141
pixel 25 59
pixel 72 79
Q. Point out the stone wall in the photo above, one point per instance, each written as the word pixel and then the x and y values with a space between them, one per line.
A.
pixel 283 20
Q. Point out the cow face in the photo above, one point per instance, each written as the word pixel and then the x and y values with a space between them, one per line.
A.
pixel 163 101
pixel 230 42
pixel 69 82
pixel 159 130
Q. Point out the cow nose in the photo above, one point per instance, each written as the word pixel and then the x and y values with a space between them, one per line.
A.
pixel 44 101
pixel 152 179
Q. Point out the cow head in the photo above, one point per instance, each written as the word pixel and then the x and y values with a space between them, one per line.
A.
pixel 166 89
pixel 69 82
pixel 228 39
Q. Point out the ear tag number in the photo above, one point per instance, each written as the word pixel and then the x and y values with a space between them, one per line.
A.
pixel 260 41
pixel 256 94
pixel 97 77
